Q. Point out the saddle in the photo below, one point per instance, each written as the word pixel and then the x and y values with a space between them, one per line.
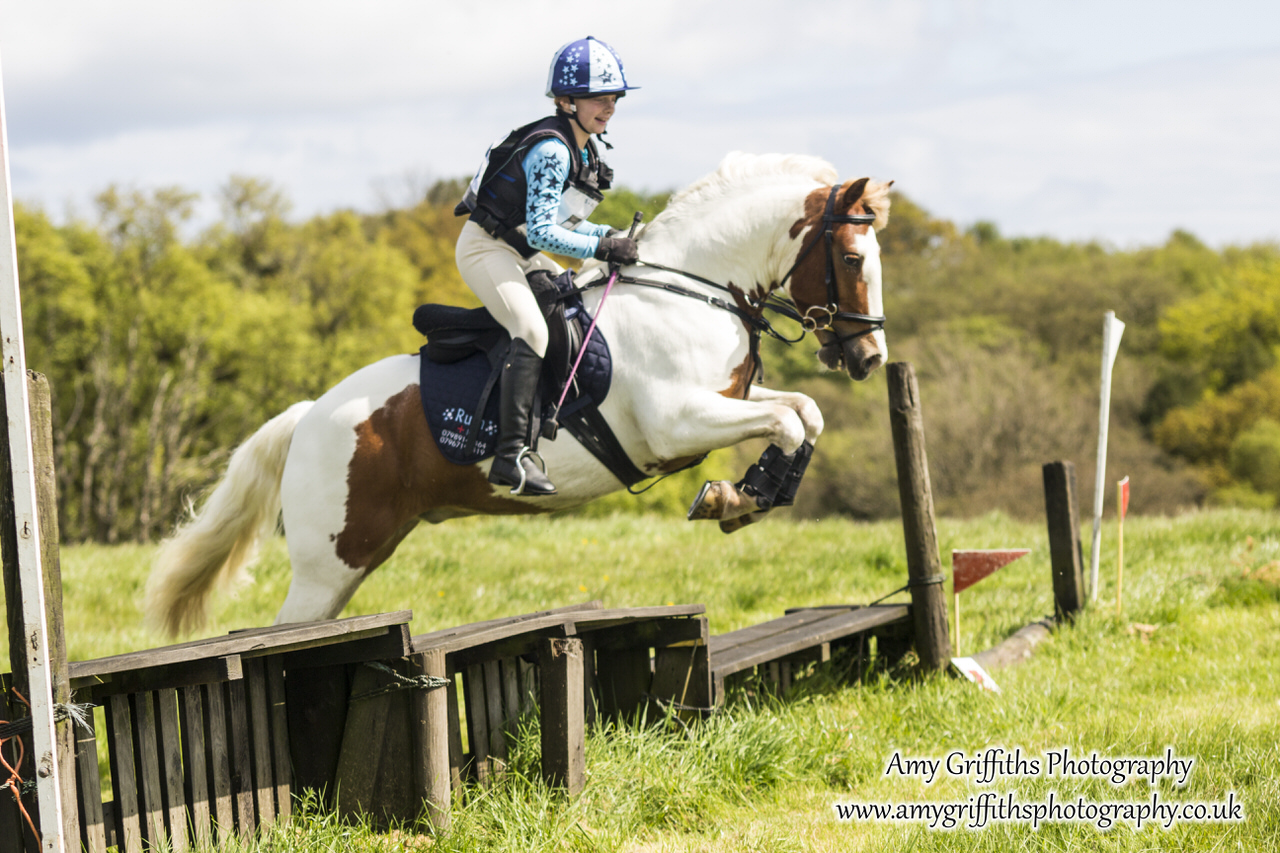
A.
pixel 461 368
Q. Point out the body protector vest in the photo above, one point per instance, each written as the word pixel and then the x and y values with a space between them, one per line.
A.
pixel 497 195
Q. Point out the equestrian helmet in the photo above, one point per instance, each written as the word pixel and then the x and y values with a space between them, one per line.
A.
pixel 584 68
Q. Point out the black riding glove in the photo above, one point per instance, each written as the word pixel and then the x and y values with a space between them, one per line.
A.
pixel 617 250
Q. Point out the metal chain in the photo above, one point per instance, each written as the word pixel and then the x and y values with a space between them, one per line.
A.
pixel 401 682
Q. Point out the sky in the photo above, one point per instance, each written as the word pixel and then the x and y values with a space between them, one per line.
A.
pixel 1119 121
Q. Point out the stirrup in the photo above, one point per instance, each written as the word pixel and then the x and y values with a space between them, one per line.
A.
pixel 525 451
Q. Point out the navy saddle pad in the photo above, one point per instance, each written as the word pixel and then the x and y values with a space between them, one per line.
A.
pixel 461 365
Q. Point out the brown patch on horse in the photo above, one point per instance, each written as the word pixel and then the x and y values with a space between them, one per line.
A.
pixel 740 384
pixel 752 305
pixel 397 474
pixel 815 204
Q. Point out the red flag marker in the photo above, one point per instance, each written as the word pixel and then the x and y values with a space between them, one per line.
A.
pixel 969 567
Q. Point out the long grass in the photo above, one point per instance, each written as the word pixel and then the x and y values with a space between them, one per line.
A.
pixel 1192 665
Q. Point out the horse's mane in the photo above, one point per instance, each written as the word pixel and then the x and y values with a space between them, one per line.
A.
pixel 738 168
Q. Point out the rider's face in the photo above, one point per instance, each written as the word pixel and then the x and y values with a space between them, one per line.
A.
pixel 594 113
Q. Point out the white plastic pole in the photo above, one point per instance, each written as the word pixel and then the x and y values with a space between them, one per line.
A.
pixel 1112 330
pixel 18 406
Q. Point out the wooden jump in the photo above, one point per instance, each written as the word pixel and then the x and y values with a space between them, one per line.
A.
pixel 802 635
pixel 579 665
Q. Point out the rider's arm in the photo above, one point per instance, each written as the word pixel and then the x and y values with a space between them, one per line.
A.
pixel 546 168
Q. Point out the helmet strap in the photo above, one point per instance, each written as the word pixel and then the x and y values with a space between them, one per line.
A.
pixel 573 114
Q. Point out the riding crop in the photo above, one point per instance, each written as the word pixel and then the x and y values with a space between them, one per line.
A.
pixel 613 277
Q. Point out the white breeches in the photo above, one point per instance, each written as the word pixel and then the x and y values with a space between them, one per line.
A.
pixel 495 272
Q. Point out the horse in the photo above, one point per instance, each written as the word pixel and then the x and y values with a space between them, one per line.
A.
pixel 353 472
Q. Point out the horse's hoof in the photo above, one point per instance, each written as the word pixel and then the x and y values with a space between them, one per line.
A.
pixel 732 524
pixel 709 502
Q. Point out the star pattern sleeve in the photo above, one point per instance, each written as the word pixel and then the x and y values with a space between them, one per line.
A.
pixel 546 168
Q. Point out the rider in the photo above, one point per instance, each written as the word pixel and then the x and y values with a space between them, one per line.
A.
pixel 533 193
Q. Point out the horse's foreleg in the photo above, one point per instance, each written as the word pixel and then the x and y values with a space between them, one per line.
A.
pixel 774 479
pixel 803 405
pixel 701 421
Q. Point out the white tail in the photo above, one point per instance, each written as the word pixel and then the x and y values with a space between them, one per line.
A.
pixel 219 542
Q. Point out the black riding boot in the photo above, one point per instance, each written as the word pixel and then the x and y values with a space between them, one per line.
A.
pixel 513 466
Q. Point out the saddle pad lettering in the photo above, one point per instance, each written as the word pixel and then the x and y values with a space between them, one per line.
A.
pixel 451 394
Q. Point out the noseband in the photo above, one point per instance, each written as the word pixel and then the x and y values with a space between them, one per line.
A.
pixel 823 319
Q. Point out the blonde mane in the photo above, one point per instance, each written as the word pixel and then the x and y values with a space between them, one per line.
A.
pixel 738 169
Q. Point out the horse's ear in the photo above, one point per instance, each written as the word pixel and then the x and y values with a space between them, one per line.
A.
pixel 853 193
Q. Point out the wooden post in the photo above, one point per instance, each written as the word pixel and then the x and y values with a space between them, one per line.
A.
pixel 924 567
pixel 563 714
pixel 29 629
pixel 50 560
pixel 1064 538
pixel 429 729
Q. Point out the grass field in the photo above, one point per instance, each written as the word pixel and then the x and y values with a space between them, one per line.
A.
pixel 1192 665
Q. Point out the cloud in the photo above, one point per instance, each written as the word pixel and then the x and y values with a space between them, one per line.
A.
pixel 1031 115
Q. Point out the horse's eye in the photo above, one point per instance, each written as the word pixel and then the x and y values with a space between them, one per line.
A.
pixel 854 261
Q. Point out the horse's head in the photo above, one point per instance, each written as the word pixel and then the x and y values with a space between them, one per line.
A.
pixel 835 282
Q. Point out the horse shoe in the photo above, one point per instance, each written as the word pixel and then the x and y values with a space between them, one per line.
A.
pixel 720 500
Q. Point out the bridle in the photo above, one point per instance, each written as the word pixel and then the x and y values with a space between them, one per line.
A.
pixel 811 319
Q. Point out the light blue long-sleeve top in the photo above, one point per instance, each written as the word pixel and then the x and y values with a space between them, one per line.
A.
pixel 546 168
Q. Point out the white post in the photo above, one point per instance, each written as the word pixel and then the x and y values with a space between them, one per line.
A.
pixel 17 405
pixel 1112 330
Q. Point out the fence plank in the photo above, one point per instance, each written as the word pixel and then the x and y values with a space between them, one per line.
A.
pixel 457 760
pixel 622 677
pixel 264 787
pixel 171 768
pixel 497 719
pixel 218 759
pixel 241 759
pixel 376 768
pixel 280 736
pixel 477 722
pixel 124 777
pixel 193 755
pixel 528 686
pixel 511 691
pixel 93 835
pixel 146 736
pixel 317 711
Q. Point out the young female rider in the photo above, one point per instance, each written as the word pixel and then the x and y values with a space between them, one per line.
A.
pixel 533 193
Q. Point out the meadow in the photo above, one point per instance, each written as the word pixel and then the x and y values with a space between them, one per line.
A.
pixel 1191 666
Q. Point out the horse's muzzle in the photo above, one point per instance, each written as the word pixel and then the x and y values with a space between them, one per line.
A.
pixel 859 357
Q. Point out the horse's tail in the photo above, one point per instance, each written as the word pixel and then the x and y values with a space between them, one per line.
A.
pixel 217 544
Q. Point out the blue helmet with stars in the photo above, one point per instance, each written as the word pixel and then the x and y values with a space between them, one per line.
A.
pixel 584 68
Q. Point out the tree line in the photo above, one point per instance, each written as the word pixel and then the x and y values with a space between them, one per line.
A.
pixel 165 350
